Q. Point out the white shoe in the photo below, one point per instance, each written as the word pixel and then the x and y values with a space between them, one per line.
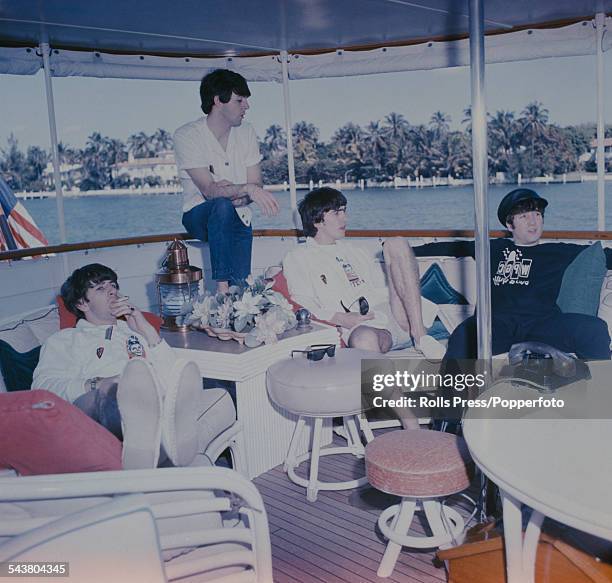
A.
pixel 431 348
pixel 140 405
pixel 180 414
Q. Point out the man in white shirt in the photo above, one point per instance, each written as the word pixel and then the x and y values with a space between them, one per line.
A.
pixel 218 161
pixel 115 367
pixel 335 281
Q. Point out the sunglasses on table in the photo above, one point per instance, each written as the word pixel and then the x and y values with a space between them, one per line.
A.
pixel 317 351
pixel 364 307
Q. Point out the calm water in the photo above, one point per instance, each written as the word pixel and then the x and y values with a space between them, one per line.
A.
pixel 572 206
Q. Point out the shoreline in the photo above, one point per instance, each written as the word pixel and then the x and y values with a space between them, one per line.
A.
pixel 398 183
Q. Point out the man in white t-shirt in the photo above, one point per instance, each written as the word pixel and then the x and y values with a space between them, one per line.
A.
pixel 335 280
pixel 218 158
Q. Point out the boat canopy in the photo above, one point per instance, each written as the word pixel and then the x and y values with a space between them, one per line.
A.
pixel 154 39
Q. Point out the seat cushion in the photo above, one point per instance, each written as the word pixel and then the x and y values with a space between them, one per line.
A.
pixel 581 284
pixel 41 433
pixel 69 320
pixel 17 368
pixel 330 387
pixel 418 463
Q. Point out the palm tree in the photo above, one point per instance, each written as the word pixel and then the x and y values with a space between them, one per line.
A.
pixel 396 126
pixel 534 120
pixel 503 134
pixel 13 163
pixel 439 123
pixel 162 140
pixel 377 148
pixel 275 141
pixel 305 141
pixel 35 164
pixel 140 145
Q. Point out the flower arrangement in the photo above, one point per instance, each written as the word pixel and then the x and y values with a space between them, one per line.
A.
pixel 256 310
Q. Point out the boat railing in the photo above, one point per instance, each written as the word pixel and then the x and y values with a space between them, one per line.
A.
pixel 361 233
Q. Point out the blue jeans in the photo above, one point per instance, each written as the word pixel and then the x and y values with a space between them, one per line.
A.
pixel 229 239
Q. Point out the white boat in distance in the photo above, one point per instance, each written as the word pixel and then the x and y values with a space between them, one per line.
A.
pixel 282 41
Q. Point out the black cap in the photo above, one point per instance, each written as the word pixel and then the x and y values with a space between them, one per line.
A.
pixel 513 198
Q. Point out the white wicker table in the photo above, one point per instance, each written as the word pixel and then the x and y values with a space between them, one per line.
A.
pixel 267 428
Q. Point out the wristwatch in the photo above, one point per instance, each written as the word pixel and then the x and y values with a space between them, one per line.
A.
pixel 93 383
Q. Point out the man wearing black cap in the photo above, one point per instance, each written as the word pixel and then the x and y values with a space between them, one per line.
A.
pixel 526 277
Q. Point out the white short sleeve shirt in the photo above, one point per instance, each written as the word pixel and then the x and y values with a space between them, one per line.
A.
pixel 195 146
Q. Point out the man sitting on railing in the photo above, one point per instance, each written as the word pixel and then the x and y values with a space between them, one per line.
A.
pixel 526 277
pixel 218 161
pixel 335 281
pixel 115 367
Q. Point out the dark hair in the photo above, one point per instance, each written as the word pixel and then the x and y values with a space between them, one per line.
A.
pixel 525 206
pixel 221 83
pixel 315 204
pixel 75 287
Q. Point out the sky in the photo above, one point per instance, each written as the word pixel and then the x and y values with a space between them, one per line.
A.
pixel 119 108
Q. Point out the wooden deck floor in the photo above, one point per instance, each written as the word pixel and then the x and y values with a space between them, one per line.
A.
pixel 335 539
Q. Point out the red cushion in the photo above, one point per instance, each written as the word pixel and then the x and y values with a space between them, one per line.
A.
pixel 42 433
pixel 69 320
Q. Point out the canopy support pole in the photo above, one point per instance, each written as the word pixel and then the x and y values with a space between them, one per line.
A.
pixel 601 132
pixel 481 177
pixel 284 58
pixel 57 178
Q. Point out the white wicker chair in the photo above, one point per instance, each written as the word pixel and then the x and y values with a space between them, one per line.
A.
pixel 211 522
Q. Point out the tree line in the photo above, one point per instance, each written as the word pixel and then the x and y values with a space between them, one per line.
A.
pixel 526 143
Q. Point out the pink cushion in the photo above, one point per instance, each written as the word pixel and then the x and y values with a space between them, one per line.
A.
pixel 418 462
pixel 69 320
pixel 41 433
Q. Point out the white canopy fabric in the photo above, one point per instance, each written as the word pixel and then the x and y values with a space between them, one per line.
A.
pixel 572 40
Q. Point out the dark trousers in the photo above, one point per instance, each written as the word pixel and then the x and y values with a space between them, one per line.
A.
pixel 586 336
pixel 103 408
pixel 230 241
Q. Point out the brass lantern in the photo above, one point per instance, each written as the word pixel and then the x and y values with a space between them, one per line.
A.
pixel 178 283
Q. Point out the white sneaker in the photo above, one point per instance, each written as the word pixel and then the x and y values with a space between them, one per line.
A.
pixel 431 348
pixel 180 414
pixel 140 405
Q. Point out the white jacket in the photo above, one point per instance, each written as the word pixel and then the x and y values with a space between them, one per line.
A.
pixel 72 356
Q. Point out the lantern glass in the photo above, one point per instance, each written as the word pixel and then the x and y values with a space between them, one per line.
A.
pixel 174 296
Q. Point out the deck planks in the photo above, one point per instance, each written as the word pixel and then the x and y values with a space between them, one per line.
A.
pixel 333 540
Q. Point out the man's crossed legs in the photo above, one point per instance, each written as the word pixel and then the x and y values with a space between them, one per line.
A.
pixel 174 419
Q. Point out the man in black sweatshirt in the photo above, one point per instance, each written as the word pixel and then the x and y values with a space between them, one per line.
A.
pixel 526 278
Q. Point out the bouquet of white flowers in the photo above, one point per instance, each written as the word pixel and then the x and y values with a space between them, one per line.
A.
pixel 257 311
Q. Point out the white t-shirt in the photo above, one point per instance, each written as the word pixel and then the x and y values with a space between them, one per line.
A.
pixel 320 276
pixel 195 146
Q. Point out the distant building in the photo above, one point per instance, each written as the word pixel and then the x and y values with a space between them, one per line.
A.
pixel 70 174
pixel 607 148
pixel 137 170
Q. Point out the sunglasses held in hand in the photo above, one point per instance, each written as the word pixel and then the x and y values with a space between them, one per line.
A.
pixel 364 307
pixel 317 351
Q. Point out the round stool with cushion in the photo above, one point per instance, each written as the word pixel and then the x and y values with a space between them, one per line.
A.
pixel 421 466
pixel 322 389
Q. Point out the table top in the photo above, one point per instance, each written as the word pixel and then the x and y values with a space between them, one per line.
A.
pixel 556 461
pixel 229 360
pixel 199 340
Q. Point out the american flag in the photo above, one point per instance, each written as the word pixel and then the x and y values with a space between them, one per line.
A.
pixel 17 228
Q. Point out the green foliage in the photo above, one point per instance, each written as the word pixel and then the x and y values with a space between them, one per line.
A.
pixel 526 144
